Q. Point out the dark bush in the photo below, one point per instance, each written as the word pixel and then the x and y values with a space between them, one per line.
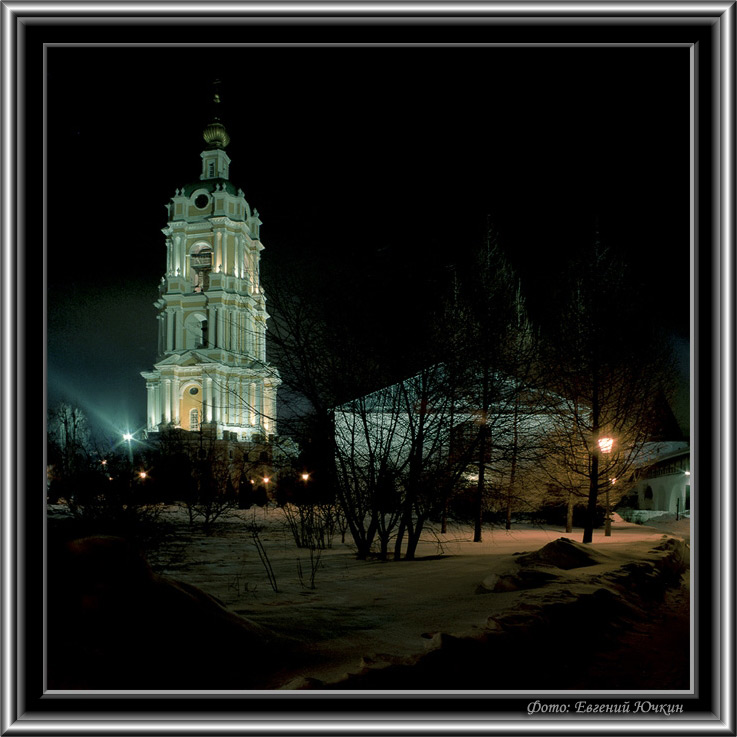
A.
pixel 556 514
pixel 250 495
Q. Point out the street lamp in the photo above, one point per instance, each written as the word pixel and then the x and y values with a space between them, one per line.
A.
pixel 128 437
pixel 605 447
pixel 606 444
pixel 305 477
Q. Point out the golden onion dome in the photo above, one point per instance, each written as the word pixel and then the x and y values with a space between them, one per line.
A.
pixel 215 135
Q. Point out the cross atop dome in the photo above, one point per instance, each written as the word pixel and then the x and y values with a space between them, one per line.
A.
pixel 215 134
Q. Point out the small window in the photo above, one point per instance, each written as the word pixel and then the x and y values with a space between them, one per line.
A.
pixel 194 390
pixel 201 201
pixel 194 420
pixel 211 170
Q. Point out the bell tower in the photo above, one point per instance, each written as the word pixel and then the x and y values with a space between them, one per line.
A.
pixel 211 373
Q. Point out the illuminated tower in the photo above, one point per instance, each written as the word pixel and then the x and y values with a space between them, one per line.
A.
pixel 211 373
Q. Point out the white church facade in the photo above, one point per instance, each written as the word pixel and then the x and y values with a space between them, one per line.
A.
pixel 211 373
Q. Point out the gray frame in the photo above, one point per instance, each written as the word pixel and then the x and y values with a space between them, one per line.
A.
pixel 720 16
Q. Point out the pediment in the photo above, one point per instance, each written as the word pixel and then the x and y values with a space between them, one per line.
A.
pixel 189 358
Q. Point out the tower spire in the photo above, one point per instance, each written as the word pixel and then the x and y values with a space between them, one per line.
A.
pixel 215 134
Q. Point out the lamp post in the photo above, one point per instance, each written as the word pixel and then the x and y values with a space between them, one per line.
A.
pixel 606 446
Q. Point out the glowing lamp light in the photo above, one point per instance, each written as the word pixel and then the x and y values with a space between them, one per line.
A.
pixel 305 476
pixel 266 479
pixel 614 481
pixel 142 475
pixel 104 462
pixel 606 445
pixel 127 436
pixel 688 473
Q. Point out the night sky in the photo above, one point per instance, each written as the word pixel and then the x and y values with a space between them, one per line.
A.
pixel 384 162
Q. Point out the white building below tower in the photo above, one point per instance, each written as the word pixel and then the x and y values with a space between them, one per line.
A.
pixel 211 373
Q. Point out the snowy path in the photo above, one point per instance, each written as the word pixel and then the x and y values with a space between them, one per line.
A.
pixel 367 612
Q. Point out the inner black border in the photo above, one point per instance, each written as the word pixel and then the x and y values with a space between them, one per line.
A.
pixel 455 30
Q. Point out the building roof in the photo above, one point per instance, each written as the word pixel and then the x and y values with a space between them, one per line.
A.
pixel 210 185
pixel 651 453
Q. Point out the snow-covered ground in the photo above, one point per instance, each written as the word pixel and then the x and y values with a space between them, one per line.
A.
pixel 366 615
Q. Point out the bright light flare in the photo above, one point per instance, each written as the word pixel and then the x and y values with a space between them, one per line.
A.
pixel 305 477
pixel 142 475
pixel 606 445
pixel 127 436
pixel 266 479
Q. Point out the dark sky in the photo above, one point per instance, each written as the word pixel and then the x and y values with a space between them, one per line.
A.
pixel 391 157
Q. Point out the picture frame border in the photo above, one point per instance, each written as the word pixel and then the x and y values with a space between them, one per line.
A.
pixel 75 714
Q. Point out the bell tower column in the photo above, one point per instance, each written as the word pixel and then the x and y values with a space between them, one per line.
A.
pixel 211 310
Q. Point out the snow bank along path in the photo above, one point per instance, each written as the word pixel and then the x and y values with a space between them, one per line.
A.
pixel 366 622
pixel 526 609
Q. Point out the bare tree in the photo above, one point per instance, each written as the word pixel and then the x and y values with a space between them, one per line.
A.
pixel 496 345
pixel 69 450
pixel 608 369
pixel 326 361
pixel 523 441
pixel 370 450
pixel 433 466
pixel 217 475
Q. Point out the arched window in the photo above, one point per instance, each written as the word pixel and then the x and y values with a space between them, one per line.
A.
pixel 200 264
pixel 195 331
pixel 194 420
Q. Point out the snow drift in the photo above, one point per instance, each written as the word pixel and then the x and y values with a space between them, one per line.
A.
pixel 583 600
pixel 476 617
